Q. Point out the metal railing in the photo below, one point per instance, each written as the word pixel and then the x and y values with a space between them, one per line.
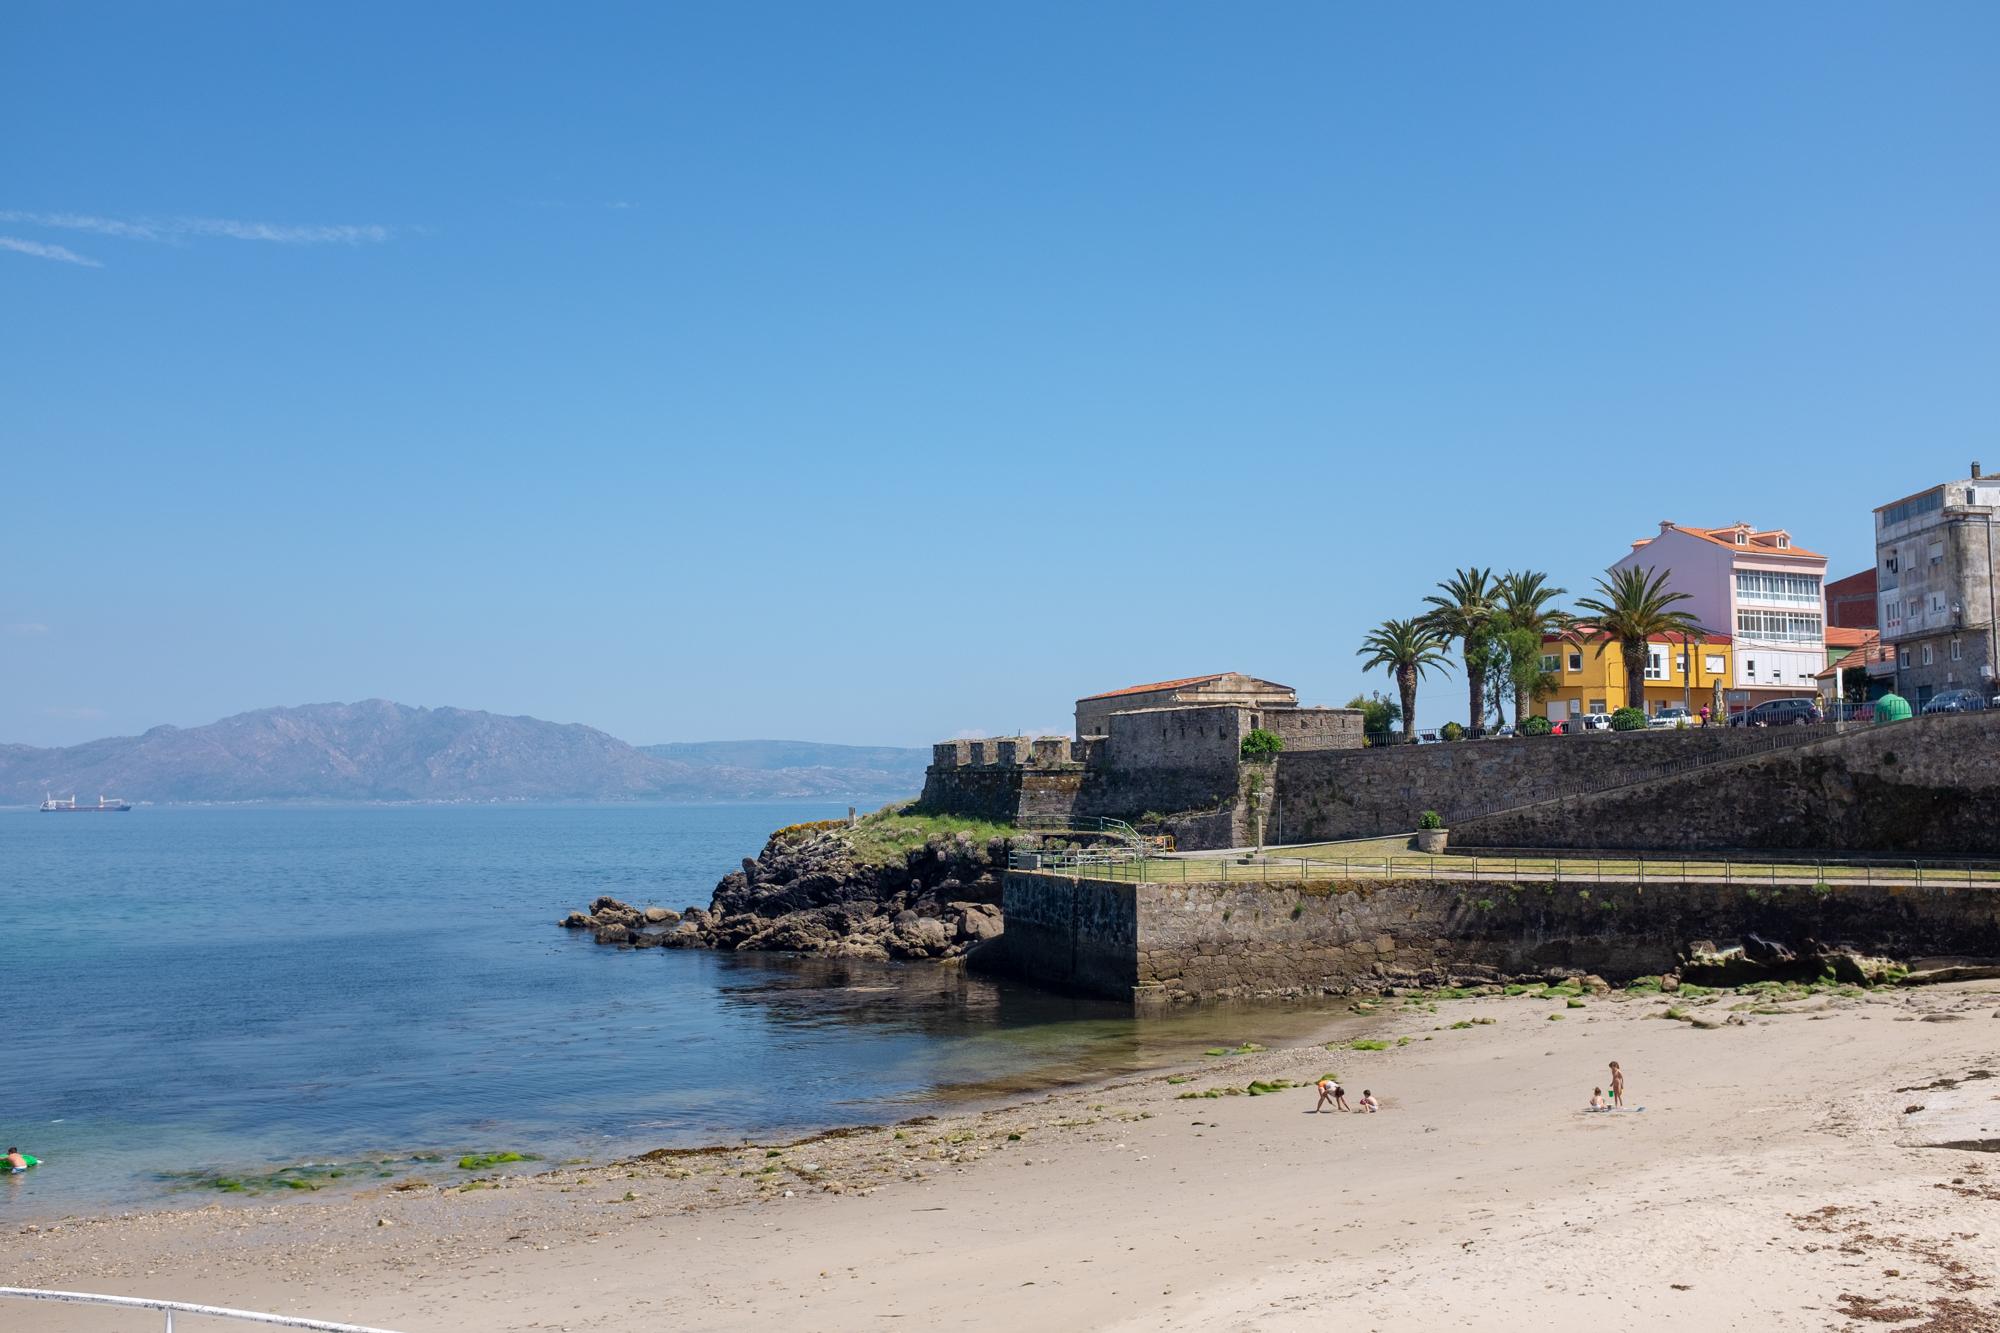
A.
pixel 1116 828
pixel 1514 867
pixel 171 1308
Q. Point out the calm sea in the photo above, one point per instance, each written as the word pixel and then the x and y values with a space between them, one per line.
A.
pixel 233 990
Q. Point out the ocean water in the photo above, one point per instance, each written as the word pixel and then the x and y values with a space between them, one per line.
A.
pixel 238 989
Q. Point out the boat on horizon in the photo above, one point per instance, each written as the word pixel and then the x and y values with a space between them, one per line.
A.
pixel 105 804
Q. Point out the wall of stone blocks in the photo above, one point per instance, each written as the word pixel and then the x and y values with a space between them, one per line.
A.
pixel 1201 941
pixel 1929 787
pixel 1326 795
pixel 1304 729
pixel 1071 934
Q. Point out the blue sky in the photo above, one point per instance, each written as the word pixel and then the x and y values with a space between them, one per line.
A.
pixel 879 372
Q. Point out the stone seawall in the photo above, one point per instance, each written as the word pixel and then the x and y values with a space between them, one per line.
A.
pixel 1072 934
pixel 1235 940
pixel 1926 787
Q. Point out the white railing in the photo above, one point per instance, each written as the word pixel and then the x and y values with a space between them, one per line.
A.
pixel 171 1308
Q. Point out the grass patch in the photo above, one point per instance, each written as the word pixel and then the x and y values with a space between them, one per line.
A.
pixel 892 832
pixel 1366 1044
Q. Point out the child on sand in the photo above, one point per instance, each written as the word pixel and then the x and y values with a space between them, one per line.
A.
pixel 1617 1087
pixel 1598 1101
pixel 1330 1093
pixel 1368 1102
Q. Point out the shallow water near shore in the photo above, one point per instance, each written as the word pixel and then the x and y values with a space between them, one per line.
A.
pixel 233 990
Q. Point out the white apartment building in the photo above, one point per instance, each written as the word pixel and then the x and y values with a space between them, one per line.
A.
pixel 1756 587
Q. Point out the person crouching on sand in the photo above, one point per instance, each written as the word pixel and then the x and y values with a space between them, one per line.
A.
pixel 1598 1101
pixel 1617 1087
pixel 1368 1102
pixel 1330 1094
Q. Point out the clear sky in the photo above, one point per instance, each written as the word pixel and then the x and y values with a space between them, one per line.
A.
pixel 876 372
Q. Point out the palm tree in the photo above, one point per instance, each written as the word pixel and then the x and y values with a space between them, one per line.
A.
pixel 1632 608
pixel 1409 648
pixel 1465 613
pixel 1525 601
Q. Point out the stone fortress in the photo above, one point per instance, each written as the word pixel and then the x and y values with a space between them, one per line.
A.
pixel 1170 753
pixel 1168 756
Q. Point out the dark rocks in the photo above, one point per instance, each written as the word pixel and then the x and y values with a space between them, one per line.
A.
pixel 810 895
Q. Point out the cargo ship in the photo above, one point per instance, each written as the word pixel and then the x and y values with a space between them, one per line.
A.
pixel 107 804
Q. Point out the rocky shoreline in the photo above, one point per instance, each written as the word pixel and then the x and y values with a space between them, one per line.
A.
pixel 808 892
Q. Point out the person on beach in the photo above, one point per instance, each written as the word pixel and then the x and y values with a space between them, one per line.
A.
pixel 17 1160
pixel 1368 1102
pixel 1598 1101
pixel 1330 1094
pixel 1617 1087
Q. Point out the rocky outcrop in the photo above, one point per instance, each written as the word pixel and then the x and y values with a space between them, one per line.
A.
pixel 808 894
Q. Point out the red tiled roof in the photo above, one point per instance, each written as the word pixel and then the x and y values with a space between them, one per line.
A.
pixel 1840 636
pixel 1158 685
pixel 1760 543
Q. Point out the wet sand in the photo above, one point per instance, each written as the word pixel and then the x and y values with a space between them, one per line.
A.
pixel 1777 1179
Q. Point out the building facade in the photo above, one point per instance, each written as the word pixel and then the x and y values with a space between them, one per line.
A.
pixel 1752 585
pixel 1678 674
pixel 1934 571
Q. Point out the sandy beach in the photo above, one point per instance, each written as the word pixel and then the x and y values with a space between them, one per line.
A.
pixel 1784 1174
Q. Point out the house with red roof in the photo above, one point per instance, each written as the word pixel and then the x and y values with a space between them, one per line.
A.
pixel 1093 712
pixel 1756 586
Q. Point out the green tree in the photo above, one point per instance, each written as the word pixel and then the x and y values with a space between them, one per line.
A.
pixel 1378 714
pixel 1526 604
pixel 1632 607
pixel 1463 609
pixel 1409 650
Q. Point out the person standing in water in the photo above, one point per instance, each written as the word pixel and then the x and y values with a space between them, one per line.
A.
pixel 1617 1087
pixel 16 1160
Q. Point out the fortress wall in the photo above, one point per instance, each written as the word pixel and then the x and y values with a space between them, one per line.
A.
pixel 1303 729
pixel 1237 940
pixel 1324 795
pixel 1926 787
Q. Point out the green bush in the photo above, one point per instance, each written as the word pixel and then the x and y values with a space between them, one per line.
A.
pixel 1430 819
pixel 1261 744
pixel 1629 719
pixel 1534 726
pixel 1451 731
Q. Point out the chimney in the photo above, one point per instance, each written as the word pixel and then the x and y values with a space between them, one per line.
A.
pixel 1975 469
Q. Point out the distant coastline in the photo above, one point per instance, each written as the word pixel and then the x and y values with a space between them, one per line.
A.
pixel 381 752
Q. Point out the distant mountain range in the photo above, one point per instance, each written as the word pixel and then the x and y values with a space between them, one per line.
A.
pixel 382 751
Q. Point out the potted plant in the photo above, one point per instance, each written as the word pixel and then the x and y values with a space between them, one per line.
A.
pixel 1431 832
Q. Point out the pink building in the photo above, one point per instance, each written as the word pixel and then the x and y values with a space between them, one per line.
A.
pixel 1755 586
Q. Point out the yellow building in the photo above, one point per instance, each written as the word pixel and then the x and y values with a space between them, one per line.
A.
pixel 1679 675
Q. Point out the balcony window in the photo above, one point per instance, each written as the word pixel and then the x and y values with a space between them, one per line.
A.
pixel 1780 626
pixel 1927 654
pixel 1550 663
pixel 1575 663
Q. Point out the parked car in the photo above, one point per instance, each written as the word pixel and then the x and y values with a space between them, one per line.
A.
pixel 1778 713
pixel 1957 701
pixel 1594 722
pixel 1672 716
pixel 1847 712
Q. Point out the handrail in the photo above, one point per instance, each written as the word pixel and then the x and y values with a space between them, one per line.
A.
pixel 183 1307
